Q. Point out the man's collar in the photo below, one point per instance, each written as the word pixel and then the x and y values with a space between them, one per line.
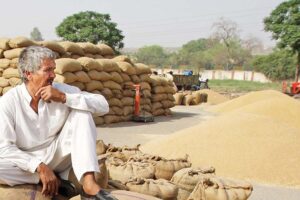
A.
pixel 25 93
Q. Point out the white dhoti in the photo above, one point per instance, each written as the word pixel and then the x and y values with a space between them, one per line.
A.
pixel 75 146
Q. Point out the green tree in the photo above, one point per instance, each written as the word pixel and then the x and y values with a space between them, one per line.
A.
pixel 36 34
pixel 91 27
pixel 152 55
pixel 284 23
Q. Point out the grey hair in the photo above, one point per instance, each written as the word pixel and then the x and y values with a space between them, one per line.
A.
pixel 31 58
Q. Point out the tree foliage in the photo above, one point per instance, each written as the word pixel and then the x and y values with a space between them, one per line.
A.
pixel 91 27
pixel 152 55
pixel 284 23
pixel 36 35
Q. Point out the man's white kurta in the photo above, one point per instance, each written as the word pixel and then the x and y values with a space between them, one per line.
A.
pixel 26 137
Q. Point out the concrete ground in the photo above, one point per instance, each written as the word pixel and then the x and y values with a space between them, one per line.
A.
pixel 133 133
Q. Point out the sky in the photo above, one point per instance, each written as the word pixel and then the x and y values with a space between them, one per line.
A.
pixel 168 23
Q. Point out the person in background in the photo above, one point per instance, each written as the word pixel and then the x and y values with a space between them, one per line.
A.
pixel 204 82
pixel 170 77
pixel 47 128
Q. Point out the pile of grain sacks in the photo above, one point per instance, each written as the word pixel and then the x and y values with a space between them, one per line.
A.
pixel 96 69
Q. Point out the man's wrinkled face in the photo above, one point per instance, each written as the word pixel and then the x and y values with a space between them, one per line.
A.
pixel 45 75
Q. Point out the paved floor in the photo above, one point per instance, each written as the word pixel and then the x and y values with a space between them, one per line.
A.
pixel 133 133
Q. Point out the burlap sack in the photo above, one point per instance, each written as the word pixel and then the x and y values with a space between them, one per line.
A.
pixel 24 192
pixel 126 68
pixel 6 89
pixel 14 63
pixel 158 112
pixel 158 97
pixel 215 188
pixel 135 79
pixel 108 65
pixel 127 101
pixel 117 94
pixel 4 63
pixel 128 93
pixel 80 85
pixel 4 43
pixel 117 110
pixel 4 82
pixel 1 53
pixel 19 42
pixel 111 112
pixel 122 58
pixel 187 178
pixel 93 85
pixel 88 47
pixel 171 97
pixel 145 78
pixel 98 120
pixel 109 119
pixel 144 101
pixel 167 104
pixel 142 69
pixel 196 98
pixel 89 64
pixel 145 86
pixel 128 110
pixel 124 153
pixel 125 77
pixel 146 107
pixel 112 85
pixel 67 77
pixel 109 56
pixel 159 188
pixel 98 56
pixel 12 53
pixel 116 77
pixel 203 97
pixel 67 65
pixel 14 81
pixel 156 105
pixel 169 89
pixel 101 147
pixel 105 49
pixel 168 111
pixel 75 56
pixel 89 55
pixel 72 47
pixel 187 99
pixel 82 77
pixel 128 85
pixel 54 46
pixel 158 90
pixel 146 93
pixel 1 89
pixel 100 76
pixel 107 93
pixel 11 72
pixel 115 102
pixel 178 98
pixel 96 92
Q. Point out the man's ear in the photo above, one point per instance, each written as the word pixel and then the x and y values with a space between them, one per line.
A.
pixel 28 75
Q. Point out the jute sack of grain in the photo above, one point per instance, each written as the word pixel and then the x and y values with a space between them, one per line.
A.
pixel 168 111
pixel 203 97
pixel 127 101
pixel 88 47
pixel 156 105
pixel 167 104
pixel 98 120
pixel 117 110
pixel 158 188
pixel 125 150
pixel 82 77
pixel 126 118
pixel 107 93
pixel 13 53
pixel 99 76
pixel 122 58
pixel 67 77
pixel 135 79
pixel 128 85
pixel 187 178
pixel 4 43
pixel 105 49
pixel 54 46
pixel 1 89
pixel 89 64
pixel 146 93
pixel 215 188
pixel 187 99
pixel 144 101
pixel 128 93
pixel 72 47
pixel 126 68
pixel 80 85
pixel 117 94
pixel 4 63
pixel 67 65
pixel 196 98
pixel 14 81
pixel 101 147
pixel 115 102
pixel 127 110
pixel 145 86
pixel 14 63
pixel 75 56
pixel 159 97
pixel 89 55
pixel 6 89
pixel 116 77
pixel 141 68
pixel 108 65
pixel 11 72
pixel 158 90
pixel 111 112
pixel 4 82
pixel 93 85
pixel 20 41
pixel 109 119
pixel 158 112
pixel 169 89
pixel 125 171
pixel 96 92
pixel 98 56
pixel 112 85
pixel 1 53
pixel 171 97
pixel 125 77
pixel 145 78
pixel 146 108
pixel 24 192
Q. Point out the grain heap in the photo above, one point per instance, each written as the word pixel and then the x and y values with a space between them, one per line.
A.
pixel 162 95
pixel 256 138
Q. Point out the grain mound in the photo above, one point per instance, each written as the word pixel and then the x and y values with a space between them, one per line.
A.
pixel 213 97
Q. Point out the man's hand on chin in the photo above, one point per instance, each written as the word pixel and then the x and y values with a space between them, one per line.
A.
pixel 49 93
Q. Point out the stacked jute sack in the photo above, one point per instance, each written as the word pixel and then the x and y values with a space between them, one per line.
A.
pixel 190 98
pixel 162 95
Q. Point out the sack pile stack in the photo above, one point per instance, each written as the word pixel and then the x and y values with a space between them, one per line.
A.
pixel 190 98
pixel 162 95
